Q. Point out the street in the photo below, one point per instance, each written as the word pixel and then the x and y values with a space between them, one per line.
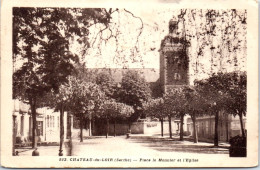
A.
pixel 136 146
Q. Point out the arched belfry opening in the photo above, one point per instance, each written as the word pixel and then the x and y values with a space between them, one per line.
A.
pixel 174 61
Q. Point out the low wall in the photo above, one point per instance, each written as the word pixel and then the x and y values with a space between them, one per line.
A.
pixel 120 129
pixel 137 128
pixel 148 128
pixel 152 128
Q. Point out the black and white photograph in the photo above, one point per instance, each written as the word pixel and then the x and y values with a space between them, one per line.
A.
pixel 125 86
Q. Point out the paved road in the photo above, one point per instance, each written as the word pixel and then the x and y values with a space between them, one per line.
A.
pixel 138 151
pixel 122 147
pixel 112 146
pixel 135 147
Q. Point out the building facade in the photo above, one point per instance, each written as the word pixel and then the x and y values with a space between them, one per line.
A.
pixel 48 124
pixel 229 126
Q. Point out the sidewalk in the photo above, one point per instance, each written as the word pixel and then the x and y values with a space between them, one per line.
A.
pixel 43 150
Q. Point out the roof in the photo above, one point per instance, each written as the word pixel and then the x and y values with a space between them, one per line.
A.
pixel 150 74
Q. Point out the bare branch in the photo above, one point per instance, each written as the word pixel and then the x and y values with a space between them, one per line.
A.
pixel 141 28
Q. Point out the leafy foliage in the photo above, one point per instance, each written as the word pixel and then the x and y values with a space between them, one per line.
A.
pixel 134 91
pixel 41 42
pixel 175 101
pixel 237 91
pixel 225 91
pixel 112 109
pixel 106 83
pixel 155 108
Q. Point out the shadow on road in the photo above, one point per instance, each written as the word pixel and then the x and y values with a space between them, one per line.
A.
pixel 174 145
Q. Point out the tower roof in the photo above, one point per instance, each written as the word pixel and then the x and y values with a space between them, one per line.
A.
pixel 173 25
pixel 173 21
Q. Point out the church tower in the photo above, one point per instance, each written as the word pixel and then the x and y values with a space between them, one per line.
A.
pixel 174 64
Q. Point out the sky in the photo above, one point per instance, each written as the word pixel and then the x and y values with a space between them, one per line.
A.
pixel 122 53
pixel 155 27
pixel 134 47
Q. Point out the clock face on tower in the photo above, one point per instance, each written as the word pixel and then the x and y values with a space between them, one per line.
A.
pixel 176 68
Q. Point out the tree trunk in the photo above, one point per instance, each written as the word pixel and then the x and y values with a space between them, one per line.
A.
pixel 34 122
pixel 69 125
pixel 241 124
pixel 70 135
pixel 227 131
pixel 81 128
pixel 161 127
pixel 92 126
pixel 216 129
pixel 129 126
pixel 195 134
pixel 89 127
pixel 181 128
pixel 107 129
pixel 115 128
pixel 61 129
pixel 170 126
pixel 14 134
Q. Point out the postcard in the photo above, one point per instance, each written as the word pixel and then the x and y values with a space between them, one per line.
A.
pixel 134 84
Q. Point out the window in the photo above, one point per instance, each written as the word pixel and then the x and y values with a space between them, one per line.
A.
pixel 53 121
pixel 48 121
pixel 177 76
pixel 58 121
pixel 39 128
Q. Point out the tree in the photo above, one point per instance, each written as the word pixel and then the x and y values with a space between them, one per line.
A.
pixel 107 84
pixel 215 90
pixel 237 105
pixel 60 101
pixel 133 92
pixel 195 105
pixel 176 101
pixel 169 112
pixel 155 108
pixel 41 38
pixel 87 98
pixel 113 110
pixel 235 92
pixel 124 111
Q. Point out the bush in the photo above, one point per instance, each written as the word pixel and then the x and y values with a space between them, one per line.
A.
pixel 237 146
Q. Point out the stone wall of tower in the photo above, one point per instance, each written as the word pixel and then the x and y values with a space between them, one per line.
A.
pixel 174 62
pixel 162 70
